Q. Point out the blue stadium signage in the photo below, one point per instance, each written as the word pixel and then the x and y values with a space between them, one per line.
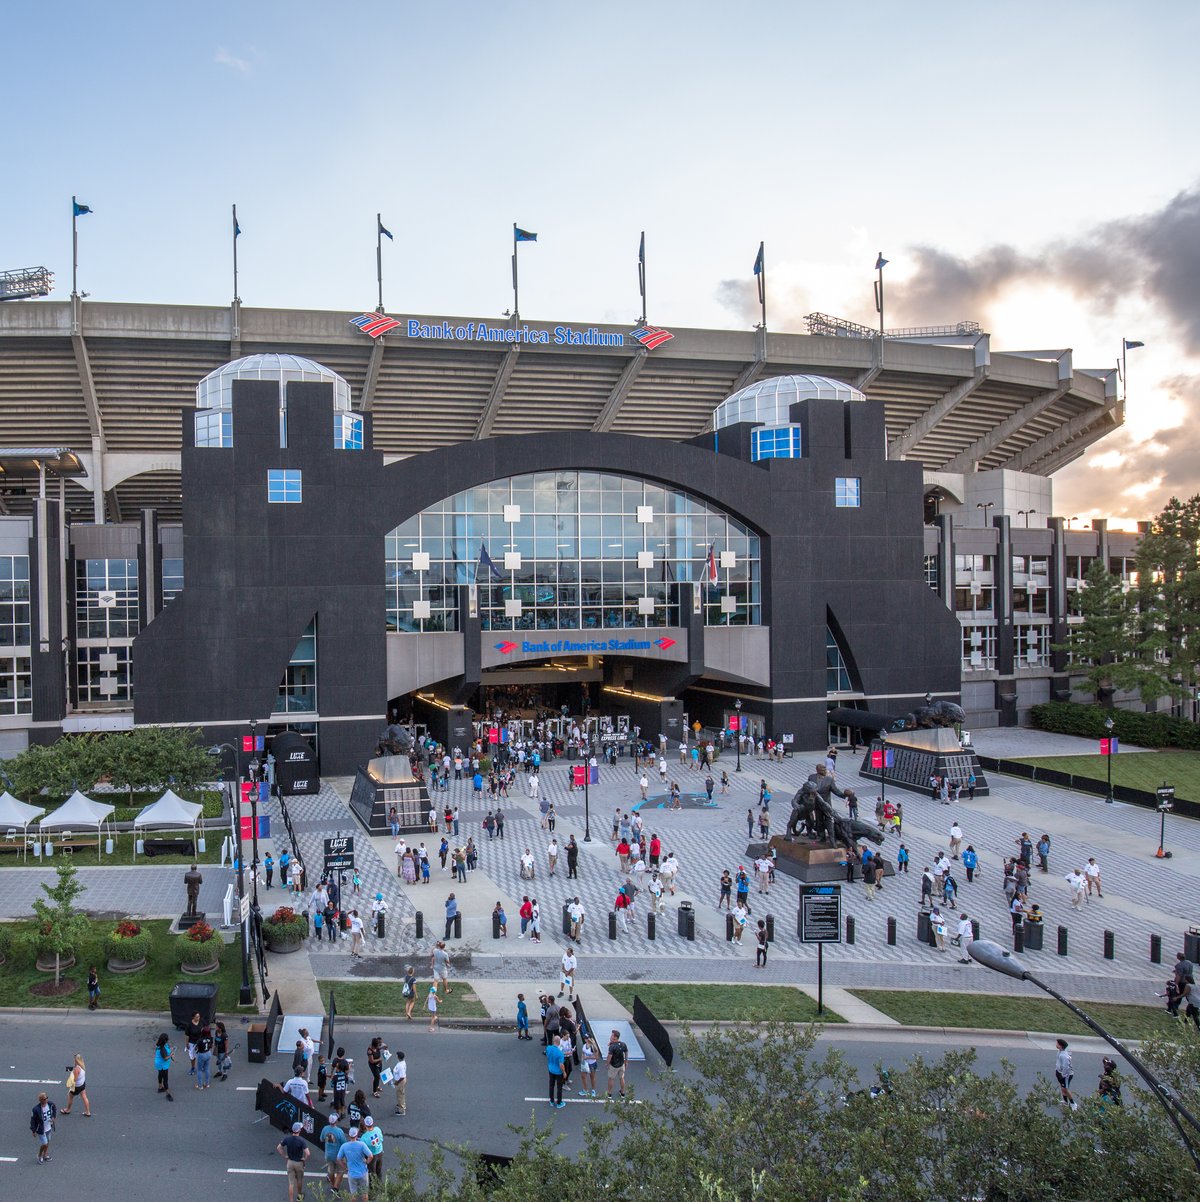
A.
pixel 480 331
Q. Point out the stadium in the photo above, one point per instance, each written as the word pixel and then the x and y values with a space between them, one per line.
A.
pixel 102 404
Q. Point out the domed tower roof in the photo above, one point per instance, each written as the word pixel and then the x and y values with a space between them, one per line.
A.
pixel 767 402
pixel 215 391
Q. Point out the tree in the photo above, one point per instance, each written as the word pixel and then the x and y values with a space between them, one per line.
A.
pixel 1112 645
pixel 59 926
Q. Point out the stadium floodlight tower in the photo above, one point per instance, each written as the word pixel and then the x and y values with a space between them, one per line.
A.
pixel 26 282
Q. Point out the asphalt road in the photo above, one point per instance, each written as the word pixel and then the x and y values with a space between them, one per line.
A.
pixel 463 1085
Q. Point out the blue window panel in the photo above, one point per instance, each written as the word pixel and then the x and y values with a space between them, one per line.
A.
pixel 848 492
pixel 284 486
pixel 348 431
pixel 774 442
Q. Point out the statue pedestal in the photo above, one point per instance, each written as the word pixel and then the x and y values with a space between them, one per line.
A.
pixel 187 921
pixel 815 862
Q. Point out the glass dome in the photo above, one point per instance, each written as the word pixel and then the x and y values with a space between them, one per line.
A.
pixel 767 401
pixel 215 391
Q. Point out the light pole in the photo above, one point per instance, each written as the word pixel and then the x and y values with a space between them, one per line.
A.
pixel 992 955
pixel 245 995
pixel 737 705
pixel 1026 514
pixel 1108 726
pixel 1166 799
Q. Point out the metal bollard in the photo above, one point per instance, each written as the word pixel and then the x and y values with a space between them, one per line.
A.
pixel 849 928
pixel 495 925
pixel 728 928
pixel 1109 945
pixel 974 928
pixel 891 935
pixel 566 920
pixel 770 928
pixel 1155 949
pixel 1062 941
pixel 1018 938
pixel 651 923
pixel 420 925
pixel 458 926
pixel 612 924
pixel 381 924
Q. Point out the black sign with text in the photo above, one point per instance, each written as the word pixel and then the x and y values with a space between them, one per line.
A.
pixel 821 914
pixel 339 853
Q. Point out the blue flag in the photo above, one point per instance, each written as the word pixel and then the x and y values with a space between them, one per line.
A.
pixel 642 249
pixel 523 235
pixel 237 229
pixel 485 561
pixel 78 210
pixel 386 232
pixel 1130 345
pixel 881 262
pixel 758 262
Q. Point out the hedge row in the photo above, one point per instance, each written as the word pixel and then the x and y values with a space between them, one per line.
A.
pixel 1142 730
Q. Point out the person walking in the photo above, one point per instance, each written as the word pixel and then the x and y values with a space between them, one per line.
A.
pixel 440 963
pixel 400 1083
pixel 163 1055
pixel 726 884
pixel 451 914
pixel 41 1126
pixel 409 990
pixel 1064 1070
pixel 970 861
pixel 556 1070
pixel 332 1138
pixel 902 858
pixel 204 1047
pixel 355 1160
pixel 1077 886
pixel 77 1086
pixel 1091 870
pixel 956 839
pixel 966 934
pixel 615 1059
pixel 431 1004
pixel 567 978
pixel 760 939
pixel 926 886
pixel 93 988
pixel 572 859
pixel 576 913
pixel 294 1150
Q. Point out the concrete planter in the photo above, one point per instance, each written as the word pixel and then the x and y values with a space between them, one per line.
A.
pixel 199 970
pixel 46 964
pixel 284 947
pixel 126 966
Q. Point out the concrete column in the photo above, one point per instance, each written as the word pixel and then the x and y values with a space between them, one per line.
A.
pixel 1006 685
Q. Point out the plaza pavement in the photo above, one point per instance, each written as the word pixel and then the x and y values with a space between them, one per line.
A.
pixel 1142 895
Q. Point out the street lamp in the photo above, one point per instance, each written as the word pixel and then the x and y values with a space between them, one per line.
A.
pixel 1166 799
pixel 245 995
pixel 1108 726
pixel 737 705
pixel 992 955
pixel 1026 514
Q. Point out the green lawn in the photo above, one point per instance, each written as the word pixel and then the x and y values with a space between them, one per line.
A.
pixel 716 1003
pixel 1139 770
pixel 122 857
pixel 1004 1013
pixel 145 990
pixel 383 998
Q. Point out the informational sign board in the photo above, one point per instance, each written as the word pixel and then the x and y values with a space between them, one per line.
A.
pixel 1110 746
pixel 821 914
pixel 244 908
pixel 881 757
pixel 339 853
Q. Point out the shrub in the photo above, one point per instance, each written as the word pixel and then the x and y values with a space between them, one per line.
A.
pixel 284 925
pixel 200 932
pixel 132 946
pixel 1140 729
pixel 5 941
pixel 198 953
pixel 127 929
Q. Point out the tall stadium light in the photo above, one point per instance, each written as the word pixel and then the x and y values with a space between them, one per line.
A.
pixel 25 283
pixel 998 959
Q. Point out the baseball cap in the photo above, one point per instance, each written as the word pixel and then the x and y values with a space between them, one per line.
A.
pixel 368 1121
pixel 353 1133
pixel 297 1127
pixel 333 1118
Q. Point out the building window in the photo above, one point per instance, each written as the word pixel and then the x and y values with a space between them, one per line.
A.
pixel 172 579
pixel 103 675
pixel 348 431
pixel 14 601
pixel 576 552
pixel 931 571
pixel 837 675
pixel 847 492
pixel 298 688
pixel 978 648
pixel 283 486
pixel 774 442
pixel 16 685
pixel 214 428
pixel 1033 646
pixel 106 599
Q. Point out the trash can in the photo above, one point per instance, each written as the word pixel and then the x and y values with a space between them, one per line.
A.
pixel 922 926
pixel 1191 945
pixel 566 920
pixel 256 1043
pixel 1032 934
pixel 187 998
pixel 687 917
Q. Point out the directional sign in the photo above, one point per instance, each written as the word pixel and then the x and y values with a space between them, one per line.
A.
pixel 339 853
pixel 244 908
pixel 821 914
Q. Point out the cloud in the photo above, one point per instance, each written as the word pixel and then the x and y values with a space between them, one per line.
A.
pixel 226 58
pixel 1156 255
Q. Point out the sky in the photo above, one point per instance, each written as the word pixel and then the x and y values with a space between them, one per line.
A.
pixel 1031 167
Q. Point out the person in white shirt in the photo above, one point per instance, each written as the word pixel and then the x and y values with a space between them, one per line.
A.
pixel 297 1087
pixel 1064 1070
pixel 1091 870
pixel 662 769
pixel 1077 884
pixel 656 895
pixel 639 872
pixel 535 785
pixel 956 838
pixel 669 871
pixel 401 848
pixel 552 855
pixel 356 936
pixel 965 936
pixel 527 865
pixel 683 753
pixel 567 980
pixel 740 915
pixel 762 870
pixel 577 914
pixel 644 784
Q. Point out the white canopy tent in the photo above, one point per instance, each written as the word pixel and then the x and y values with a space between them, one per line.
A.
pixel 14 813
pixel 80 811
pixel 170 811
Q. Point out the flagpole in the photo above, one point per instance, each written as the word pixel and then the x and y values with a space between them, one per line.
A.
pixel 642 275
pixel 379 257
pixel 879 262
pixel 74 247
pixel 516 290
pixel 762 284
pixel 236 298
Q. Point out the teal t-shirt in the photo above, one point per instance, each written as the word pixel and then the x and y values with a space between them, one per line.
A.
pixel 354 1152
pixel 333 1138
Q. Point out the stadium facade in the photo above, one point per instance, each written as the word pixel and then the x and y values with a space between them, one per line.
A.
pixel 842 484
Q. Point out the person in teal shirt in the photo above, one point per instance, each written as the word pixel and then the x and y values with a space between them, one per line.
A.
pixel 333 1137
pixel 902 858
pixel 970 861
pixel 373 1138
pixel 522 1018
pixel 554 1066
pixel 356 1157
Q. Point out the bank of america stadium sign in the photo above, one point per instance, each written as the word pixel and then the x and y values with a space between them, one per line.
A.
pixel 376 324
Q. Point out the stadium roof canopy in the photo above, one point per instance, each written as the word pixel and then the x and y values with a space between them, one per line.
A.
pixel 112 381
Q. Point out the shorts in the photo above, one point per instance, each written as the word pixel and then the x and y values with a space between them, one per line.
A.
pixel 295 1172
pixel 615 1071
pixel 1065 1082
pixel 44 1139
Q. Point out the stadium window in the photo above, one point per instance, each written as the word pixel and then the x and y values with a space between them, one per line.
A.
pixel 348 431
pixel 214 428
pixel 283 486
pixel 847 494
pixel 774 442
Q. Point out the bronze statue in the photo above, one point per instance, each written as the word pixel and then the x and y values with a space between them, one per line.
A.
pixel 926 717
pixel 813 809
pixel 192 880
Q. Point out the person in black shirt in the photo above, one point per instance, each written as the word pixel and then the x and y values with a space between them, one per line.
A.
pixel 339 1079
pixel 192 1031
pixel 572 859
pixel 295 1150
pixel 358 1109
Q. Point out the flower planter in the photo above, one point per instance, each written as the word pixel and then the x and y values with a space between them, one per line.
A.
pixel 124 966
pixel 284 946
pixel 199 970
pixel 47 964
